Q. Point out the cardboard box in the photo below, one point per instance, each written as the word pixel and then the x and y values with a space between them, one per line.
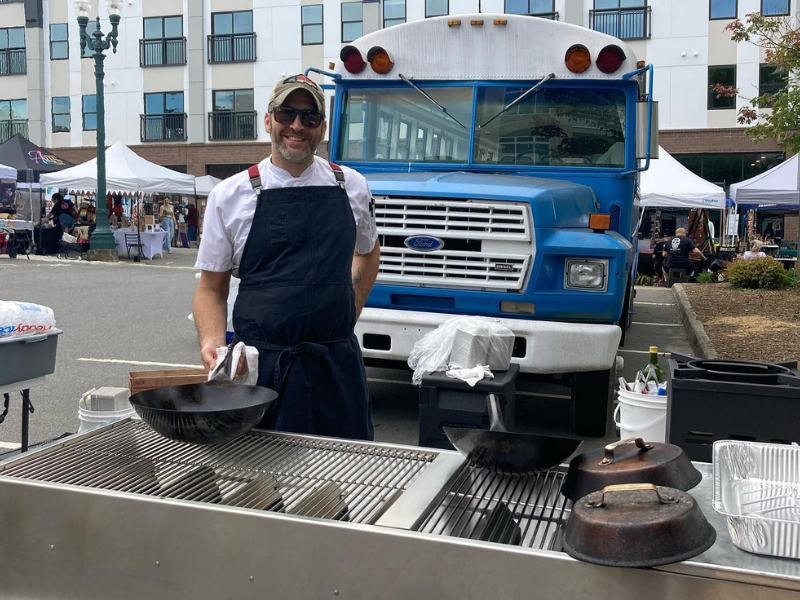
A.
pixel 139 381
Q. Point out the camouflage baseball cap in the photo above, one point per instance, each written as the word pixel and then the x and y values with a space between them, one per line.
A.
pixel 291 84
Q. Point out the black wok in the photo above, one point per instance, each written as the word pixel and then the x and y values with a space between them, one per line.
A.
pixel 203 413
pixel 501 450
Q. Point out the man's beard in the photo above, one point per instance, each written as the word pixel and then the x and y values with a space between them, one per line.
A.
pixel 299 156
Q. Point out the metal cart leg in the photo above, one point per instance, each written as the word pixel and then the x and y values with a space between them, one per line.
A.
pixel 27 408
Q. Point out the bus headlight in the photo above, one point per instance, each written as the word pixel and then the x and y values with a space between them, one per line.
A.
pixel 586 274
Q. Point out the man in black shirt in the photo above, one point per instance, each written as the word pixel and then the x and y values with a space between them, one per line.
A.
pixel 63 212
pixel 677 252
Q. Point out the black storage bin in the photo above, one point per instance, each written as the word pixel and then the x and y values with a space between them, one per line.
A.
pixel 704 407
pixel 444 401
pixel 27 356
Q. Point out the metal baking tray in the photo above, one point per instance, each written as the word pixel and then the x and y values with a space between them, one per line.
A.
pixel 757 488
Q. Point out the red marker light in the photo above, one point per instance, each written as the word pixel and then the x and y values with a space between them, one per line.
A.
pixel 379 60
pixel 610 59
pixel 352 59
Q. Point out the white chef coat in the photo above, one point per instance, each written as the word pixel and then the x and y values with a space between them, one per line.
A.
pixel 232 204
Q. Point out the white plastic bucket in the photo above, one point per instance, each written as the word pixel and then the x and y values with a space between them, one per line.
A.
pixel 92 419
pixel 641 416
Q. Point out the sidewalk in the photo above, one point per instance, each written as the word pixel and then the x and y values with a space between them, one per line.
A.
pixel 183 258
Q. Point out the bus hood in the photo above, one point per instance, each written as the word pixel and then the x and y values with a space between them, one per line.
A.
pixel 553 203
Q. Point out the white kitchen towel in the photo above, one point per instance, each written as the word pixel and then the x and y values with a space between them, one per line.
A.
pixel 249 377
pixel 473 375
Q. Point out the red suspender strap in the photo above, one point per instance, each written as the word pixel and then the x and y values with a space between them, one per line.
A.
pixel 338 173
pixel 255 178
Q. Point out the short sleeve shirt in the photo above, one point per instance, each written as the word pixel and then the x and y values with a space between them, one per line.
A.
pixel 679 249
pixel 232 205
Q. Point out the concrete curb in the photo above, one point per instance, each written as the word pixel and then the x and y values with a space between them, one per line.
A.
pixel 698 338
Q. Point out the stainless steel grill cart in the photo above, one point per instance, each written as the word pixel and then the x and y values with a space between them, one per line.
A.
pixel 120 512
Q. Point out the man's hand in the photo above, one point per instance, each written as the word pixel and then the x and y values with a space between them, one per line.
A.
pixel 208 353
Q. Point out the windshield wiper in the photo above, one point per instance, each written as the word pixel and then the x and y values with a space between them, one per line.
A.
pixel 520 98
pixel 442 108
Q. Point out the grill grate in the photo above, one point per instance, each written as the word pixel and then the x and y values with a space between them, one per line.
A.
pixel 517 509
pixel 319 478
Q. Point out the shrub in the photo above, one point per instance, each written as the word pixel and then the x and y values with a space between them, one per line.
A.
pixel 757 273
pixel 705 277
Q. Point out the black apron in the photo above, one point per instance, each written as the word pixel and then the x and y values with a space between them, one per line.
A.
pixel 296 305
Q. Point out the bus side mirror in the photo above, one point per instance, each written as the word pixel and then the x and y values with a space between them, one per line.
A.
pixel 645 126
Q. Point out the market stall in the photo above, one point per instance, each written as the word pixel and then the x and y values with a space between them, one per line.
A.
pixel 127 173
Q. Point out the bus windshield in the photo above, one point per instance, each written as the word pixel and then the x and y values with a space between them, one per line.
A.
pixel 550 127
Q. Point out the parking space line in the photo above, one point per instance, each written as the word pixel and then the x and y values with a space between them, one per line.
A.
pixel 10 445
pixel 637 302
pixel 659 324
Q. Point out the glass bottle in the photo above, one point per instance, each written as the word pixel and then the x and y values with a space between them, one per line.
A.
pixel 653 366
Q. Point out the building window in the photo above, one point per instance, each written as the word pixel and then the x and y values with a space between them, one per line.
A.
pixel 60 110
pixel 12 51
pixel 394 12
pixel 535 8
pixel 89 110
pixel 625 19
pixel 234 115
pixel 775 8
pixel 771 80
pixel 163 118
pixel 311 17
pixel 13 119
pixel 724 75
pixel 163 43
pixel 232 38
pixel 436 8
pixel 352 21
pixel 59 41
pixel 722 9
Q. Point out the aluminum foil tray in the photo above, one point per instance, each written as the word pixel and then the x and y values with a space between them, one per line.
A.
pixel 757 487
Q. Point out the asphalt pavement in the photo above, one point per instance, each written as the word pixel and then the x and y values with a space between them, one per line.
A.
pixel 126 316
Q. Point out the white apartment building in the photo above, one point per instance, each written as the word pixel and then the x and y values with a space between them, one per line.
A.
pixel 189 83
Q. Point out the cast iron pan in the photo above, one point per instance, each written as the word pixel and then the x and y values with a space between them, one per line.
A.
pixel 212 412
pixel 503 451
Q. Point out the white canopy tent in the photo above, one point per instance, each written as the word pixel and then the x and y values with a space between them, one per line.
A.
pixel 668 184
pixel 126 172
pixel 205 184
pixel 778 186
pixel 8 172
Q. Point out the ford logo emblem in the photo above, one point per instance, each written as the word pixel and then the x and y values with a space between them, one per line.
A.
pixel 424 243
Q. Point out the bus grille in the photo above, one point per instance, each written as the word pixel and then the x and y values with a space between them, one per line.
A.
pixel 465 227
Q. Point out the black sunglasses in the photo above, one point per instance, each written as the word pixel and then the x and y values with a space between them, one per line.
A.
pixel 308 117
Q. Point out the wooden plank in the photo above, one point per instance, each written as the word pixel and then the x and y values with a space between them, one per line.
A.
pixel 139 381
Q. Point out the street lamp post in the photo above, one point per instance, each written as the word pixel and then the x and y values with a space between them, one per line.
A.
pixel 102 246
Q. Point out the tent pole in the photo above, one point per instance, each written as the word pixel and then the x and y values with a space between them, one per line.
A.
pixel 797 239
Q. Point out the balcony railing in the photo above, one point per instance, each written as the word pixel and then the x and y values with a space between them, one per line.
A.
pixel 232 125
pixel 237 47
pixel 9 129
pixel 162 52
pixel 12 62
pixel 624 23
pixel 160 128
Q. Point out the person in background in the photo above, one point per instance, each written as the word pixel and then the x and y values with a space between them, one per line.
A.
pixel 168 223
pixel 769 232
pixel 754 252
pixel 63 212
pixel 658 260
pixel 191 222
pixel 300 234
pixel 678 253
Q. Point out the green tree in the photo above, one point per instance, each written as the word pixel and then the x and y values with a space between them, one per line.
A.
pixel 781 43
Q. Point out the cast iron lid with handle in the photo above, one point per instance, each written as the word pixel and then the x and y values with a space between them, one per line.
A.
pixel 501 450
pixel 630 461
pixel 740 371
pixel 637 525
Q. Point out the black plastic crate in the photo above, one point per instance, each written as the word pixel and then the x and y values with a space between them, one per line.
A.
pixel 701 411
pixel 28 356
pixel 444 402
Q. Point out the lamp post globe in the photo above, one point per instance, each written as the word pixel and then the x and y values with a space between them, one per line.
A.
pixel 102 246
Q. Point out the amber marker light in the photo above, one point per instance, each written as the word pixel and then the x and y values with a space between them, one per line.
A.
pixel 453 22
pixel 500 21
pixel 578 58
pixel 352 59
pixel 599 222
pixel 379 60
pixel 476 22
pixel 610 59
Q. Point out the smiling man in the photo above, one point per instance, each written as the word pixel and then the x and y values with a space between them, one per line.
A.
pixel 300 233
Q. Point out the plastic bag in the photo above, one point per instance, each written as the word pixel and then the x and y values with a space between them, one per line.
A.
pixel 462 343
pixel 24 318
